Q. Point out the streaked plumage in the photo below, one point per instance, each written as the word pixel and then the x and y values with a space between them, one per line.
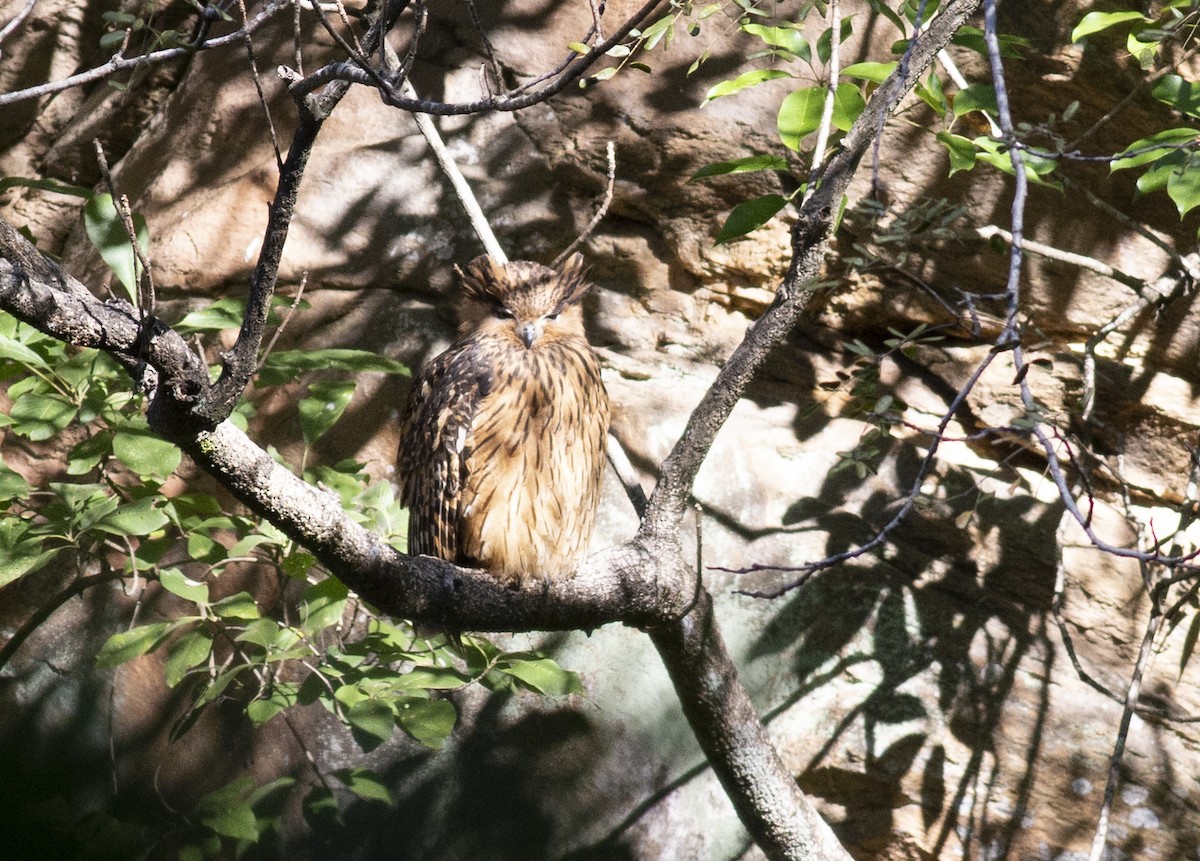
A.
pixel 502 446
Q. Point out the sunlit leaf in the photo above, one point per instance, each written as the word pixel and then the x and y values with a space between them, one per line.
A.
pixel 39 417
pixel 325 404
pixel 749 216
pixel 870 71
pixel 961 149
pixel 1095 22
pixel 323 605
pixel 1155 147
pixel 428 721
pixel 177 583
pixel 239 606
pixel 140 517
pixel 371 722
pixel 1183 187
pixel 542 675
pixel 1180 94
pixel 977 97
pixel 108 235
pixel 188 651
pixel 742 165
pixel 786 38
pixel 143 451
pixel 133 643
pixel 744 81
pixel 365 784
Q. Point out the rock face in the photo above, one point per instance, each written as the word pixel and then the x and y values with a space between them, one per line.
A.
pixel 924 693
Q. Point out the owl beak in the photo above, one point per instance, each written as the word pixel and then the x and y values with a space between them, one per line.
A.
pixel 528 333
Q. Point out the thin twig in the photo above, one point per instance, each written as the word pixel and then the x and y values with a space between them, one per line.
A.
pixel 601 210
pixel 119 63
pixel 1091 264
pixel 145 281
pixel 12 25
pixel 258 88
pixel 458 183
pixel 287 318
pixel 835 46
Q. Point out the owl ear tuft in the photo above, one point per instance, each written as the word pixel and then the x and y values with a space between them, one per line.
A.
pixel 481 277
pixel 571 276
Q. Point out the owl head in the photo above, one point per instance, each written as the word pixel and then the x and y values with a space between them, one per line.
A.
pixel 524 303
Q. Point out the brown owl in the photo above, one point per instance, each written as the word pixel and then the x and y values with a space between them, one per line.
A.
pixel 503 439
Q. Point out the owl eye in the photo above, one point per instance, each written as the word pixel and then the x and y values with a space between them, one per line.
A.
pixel 553 316
pixel 501 313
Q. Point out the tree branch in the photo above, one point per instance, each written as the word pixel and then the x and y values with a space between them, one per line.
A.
pixel 768 801
pixel 810 238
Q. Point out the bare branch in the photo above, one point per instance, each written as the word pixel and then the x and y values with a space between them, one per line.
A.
pixel 122 64
pixel 809 239
pixel 601 210
pixel 392 94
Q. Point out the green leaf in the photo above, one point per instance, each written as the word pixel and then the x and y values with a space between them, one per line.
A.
pixel 285 365
pixel 282 696
pixel 428 721
pixel 1159 173
pixel 977 97
pixel 39 417
pixel 14 350
pixel 239 606
pixel 742 165
pixel 432 678
pixel 652 35
pixel 744 81
pixel 12 485
pixel 134 518
pixel 220 315
pixel 44 185
pixel 234 820
pixel 961 149
pixel 1183 187
pixel 104 229
pixel 825 40
pixel 1182 95
pixel 750 215
pixel 1157 146
pixel 190 650
pixel 801 112
pixel 21 552
pixel 323 605
pixel 177 583
pixel 327 401
pixel 365 784
pixel 143 451
pixel 1094 22
pixel 785 38
pixel 320 806
pixel 876 72
pixel 86 456
pixel 133 643
pixel 371 722
pixel 542 675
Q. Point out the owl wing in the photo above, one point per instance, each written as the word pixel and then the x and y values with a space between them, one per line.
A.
pixel 432 461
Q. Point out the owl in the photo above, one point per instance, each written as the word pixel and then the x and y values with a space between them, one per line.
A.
pixel 503 438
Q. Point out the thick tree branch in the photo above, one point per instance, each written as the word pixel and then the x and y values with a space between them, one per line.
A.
pixel 768 801
pixel 810 238
pixel 638 583
pixel 240 363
